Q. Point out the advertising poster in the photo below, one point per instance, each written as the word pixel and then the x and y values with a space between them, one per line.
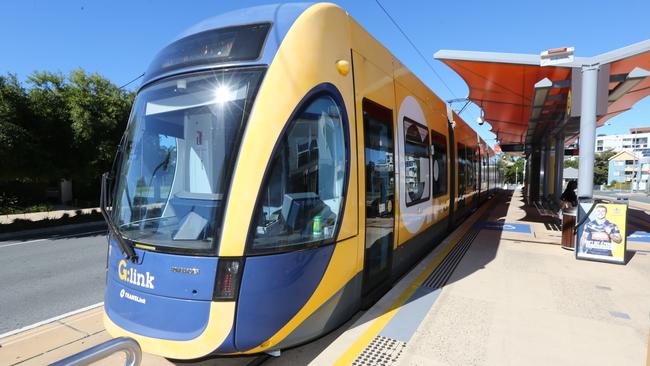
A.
pixel 602 236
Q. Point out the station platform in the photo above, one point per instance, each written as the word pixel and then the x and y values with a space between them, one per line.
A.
pixel 498 291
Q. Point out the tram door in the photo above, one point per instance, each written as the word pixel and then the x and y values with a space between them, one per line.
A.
pixel 380 197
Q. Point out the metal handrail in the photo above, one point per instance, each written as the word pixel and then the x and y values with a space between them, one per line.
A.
pixel 123 344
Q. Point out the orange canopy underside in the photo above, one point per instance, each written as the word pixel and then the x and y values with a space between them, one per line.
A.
pixel 505 91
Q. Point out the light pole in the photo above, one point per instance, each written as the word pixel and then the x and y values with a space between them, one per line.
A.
pixel 635 163
pixel 516 175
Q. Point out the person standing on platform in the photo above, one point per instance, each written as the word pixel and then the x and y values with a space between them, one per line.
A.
pixel 569 195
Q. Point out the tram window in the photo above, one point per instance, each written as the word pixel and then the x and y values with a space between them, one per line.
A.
pixel 175 168
pixel 471 176
pixel 228 44
pixel 416 161
pixel 462 169
pixel 439 153
pixel 303 194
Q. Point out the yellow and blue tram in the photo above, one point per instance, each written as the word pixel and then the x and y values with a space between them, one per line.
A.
pixel 279 170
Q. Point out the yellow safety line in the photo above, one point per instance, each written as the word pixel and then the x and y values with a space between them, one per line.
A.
pixel 380 322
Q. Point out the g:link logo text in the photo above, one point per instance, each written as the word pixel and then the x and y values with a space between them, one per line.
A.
pixel 132 276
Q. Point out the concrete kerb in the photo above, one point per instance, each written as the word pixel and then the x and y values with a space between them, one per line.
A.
pixel 53 230
pixel 45 215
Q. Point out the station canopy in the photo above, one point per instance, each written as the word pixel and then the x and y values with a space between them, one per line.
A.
pixel 523 100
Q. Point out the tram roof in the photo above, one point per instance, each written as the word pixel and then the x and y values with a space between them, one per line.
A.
pixel 503 85
pixel 281 17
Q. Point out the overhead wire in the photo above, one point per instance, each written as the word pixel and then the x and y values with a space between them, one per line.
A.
pixel 127 84
pixel 426 61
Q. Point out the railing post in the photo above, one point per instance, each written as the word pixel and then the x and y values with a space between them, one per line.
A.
pixel 123 344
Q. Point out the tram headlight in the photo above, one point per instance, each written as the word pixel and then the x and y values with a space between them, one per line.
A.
pixel 229 273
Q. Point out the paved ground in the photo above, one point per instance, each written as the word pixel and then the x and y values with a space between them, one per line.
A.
pixel 515 302
pixel 515 298
pixel 47 277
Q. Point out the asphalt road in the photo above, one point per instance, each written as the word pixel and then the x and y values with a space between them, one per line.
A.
pixel 639 197
pixel 44 278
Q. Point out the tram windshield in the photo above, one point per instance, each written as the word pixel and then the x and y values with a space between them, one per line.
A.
pixel 178 156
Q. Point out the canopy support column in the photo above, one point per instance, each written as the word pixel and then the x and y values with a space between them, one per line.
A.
pixel 547 169
pixel 534 170
pixel 559 164
pixel 588 106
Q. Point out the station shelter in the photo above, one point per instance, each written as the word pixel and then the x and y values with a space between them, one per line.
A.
pixel 538 105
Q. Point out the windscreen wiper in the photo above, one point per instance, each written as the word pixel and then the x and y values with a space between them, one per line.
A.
pixel 127 250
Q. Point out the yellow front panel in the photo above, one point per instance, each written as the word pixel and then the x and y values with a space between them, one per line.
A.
pixel 306 58
pixel 372 83
pixel 365 44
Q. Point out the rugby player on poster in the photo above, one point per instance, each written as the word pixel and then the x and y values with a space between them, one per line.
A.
pixel 600 236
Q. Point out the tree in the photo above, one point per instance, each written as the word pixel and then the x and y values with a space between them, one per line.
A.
pixel 516 168
pixel 571 163
pixel 58 127
pixel 601 166
pixel 16 142
pixel 98 114
pixel 51 126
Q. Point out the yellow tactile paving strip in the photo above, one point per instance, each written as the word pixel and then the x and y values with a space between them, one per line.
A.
pixel 380 322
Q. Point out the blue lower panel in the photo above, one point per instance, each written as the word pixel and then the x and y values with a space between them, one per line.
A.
pixel 274 288
pixel 155 316
pixel 228 344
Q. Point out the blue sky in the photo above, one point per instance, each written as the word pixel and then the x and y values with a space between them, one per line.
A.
pixel 119 38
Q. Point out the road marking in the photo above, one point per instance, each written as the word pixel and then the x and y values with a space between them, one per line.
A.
pixel 51 238
pixel 23 242
pixel 51 320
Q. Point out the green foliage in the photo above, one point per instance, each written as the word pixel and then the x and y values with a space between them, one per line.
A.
pixel 601 166
pixel 571 163
pixel 16 140
pixel 50 126
pixel 59 127
pixel 9 210
pixel 515 168
pixel 98 112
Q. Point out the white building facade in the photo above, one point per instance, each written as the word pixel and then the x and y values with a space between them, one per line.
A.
pixel 627 142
